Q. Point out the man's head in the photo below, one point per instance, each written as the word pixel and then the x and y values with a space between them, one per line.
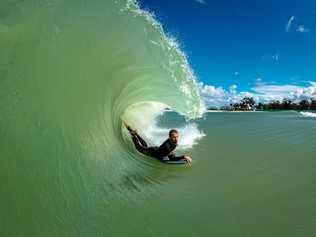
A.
pixel 173 135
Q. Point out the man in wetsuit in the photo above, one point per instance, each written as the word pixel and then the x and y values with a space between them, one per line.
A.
pixel 165 152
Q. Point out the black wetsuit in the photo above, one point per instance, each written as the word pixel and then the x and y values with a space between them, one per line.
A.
pixel 163 152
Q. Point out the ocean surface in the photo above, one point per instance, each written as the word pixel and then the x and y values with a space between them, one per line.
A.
pixel 71 71
pixel 253 174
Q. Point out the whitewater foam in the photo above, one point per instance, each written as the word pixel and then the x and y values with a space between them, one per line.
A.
pixel 143 117
pixel 308 114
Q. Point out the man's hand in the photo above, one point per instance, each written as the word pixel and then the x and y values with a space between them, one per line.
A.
pixel 188 160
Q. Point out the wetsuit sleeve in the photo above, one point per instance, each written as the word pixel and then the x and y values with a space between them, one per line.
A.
pixel 175 158
pixel 164 149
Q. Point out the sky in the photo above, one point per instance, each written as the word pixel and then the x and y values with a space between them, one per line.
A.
pixel 265 49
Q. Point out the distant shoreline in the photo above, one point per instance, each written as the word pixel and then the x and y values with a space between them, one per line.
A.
pixel 248 111
pixel 223 111
pixel 251 111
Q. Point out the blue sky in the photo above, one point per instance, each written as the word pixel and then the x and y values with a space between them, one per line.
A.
pixel 265 48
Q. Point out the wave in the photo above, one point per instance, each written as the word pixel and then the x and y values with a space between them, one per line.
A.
pixel 72 70
pixel 308 114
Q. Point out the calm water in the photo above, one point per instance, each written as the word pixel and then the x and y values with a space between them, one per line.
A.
pixel 253 175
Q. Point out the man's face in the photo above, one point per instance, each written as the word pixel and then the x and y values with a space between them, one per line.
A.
pixel 174 137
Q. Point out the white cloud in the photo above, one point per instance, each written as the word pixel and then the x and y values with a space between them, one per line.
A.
pixel 302 29
pixel 201 1
pixel 218 96
pixel 275 89
pixel 266 92
pixel 233 89
pixel 213 96
pixel 305 93
pixel 276 57
pixel 312 83
pixel 289 24
pixel 236 73
pixel 261 92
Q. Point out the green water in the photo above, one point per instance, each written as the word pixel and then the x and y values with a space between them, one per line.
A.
pixel 252 175
pixel 70 71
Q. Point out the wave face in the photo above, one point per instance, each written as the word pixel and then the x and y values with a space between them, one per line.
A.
pixel 69 72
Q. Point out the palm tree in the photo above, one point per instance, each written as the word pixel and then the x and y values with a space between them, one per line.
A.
pixel 313 104
pixel 287 104
pixel 247 103
pixel 304 104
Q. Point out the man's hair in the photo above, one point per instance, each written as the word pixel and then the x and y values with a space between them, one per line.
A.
pixel 172 131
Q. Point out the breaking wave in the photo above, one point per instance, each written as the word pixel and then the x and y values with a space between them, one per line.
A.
pixel 70 71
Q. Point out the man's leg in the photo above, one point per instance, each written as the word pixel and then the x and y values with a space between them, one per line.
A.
pixel 138 141
pixel 141 140
pixel 138 145
pixel 134 133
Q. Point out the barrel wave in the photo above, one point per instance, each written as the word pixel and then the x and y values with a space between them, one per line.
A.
pixel 70 71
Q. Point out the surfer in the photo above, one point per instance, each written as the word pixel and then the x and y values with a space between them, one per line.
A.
pixel 165 152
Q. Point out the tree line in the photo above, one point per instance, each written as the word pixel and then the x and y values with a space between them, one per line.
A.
pixel 248 104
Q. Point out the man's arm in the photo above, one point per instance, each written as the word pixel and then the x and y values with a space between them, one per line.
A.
pixel 187 158
pixel 173 157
